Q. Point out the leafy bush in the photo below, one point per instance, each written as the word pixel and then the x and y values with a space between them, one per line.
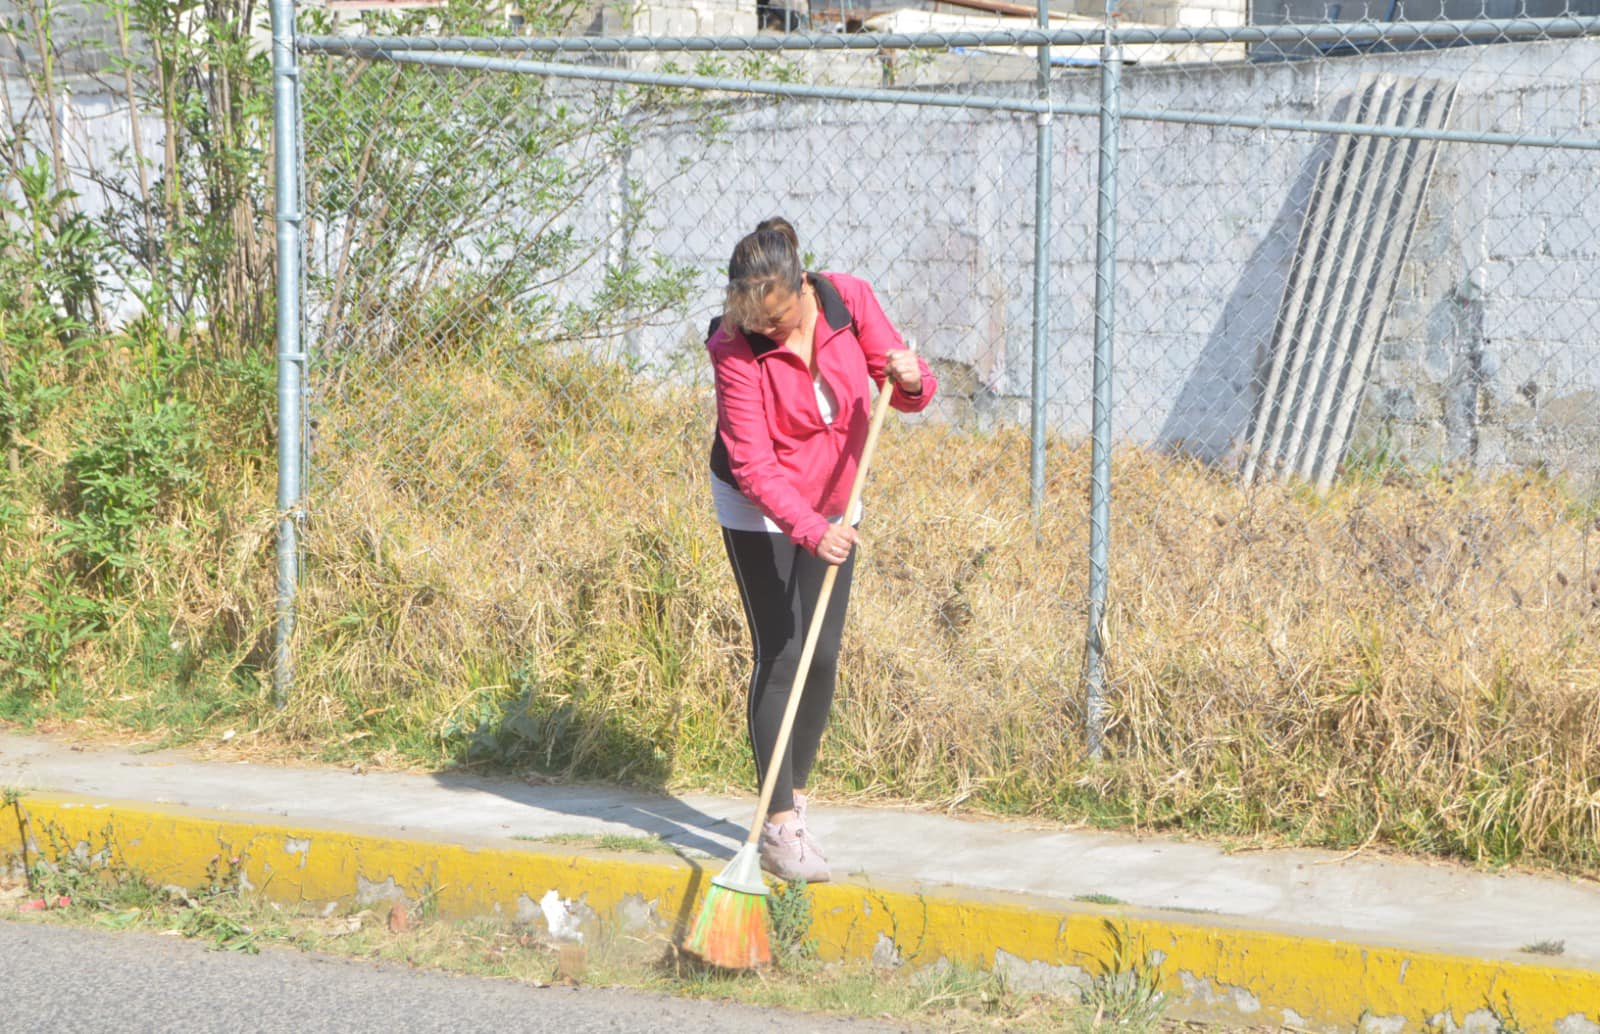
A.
pixel 48 256
pixel 139 456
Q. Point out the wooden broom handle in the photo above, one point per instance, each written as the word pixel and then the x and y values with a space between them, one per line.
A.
pixel 880 411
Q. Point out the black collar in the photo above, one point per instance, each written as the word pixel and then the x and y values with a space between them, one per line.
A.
pixel 833 307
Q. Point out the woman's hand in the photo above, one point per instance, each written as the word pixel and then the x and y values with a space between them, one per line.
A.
pixel 835 544
pixel 900 366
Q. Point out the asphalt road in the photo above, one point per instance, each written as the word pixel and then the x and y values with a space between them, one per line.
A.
pixel 58 979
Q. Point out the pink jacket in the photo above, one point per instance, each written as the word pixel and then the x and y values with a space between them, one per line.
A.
pixel 772 440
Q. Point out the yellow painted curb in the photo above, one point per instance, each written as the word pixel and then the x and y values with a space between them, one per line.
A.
pixel 1209 967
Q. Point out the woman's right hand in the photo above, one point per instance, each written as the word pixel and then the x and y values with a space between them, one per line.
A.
pixel 835 545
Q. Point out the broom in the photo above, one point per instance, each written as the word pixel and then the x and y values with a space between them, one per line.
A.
pixel 731 930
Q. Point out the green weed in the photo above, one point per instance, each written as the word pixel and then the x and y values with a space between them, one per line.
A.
pixel 91 878
pixel 605 842
pixel 1127 990
pixel 89 875
pixel 1098 899
pixel 789 911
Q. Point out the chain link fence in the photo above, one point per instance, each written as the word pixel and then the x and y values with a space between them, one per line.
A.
pixel 1320 301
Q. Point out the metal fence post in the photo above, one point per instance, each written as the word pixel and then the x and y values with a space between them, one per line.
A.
pixel 291 358
pixel 1041 275
pixel 1105 298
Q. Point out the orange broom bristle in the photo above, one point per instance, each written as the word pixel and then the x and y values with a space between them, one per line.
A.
pixel 731 931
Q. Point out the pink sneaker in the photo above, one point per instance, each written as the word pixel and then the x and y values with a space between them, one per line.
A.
pixel 800 804
pixel 788 854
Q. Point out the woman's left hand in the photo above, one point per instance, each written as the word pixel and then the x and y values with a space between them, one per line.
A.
pixel 900 366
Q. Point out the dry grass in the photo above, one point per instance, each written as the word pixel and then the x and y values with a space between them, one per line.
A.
pixel 1413 660
pixel 523 567
pixel 512 559
pixel 175 640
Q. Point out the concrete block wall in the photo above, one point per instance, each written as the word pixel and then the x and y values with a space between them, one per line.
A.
pixel 675 18
pixel 1492 356
pixel 1184 12
pixel 84 38
pixel 1487 356
pixel 944 232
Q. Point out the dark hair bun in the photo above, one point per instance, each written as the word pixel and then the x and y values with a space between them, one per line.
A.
pixel 778 224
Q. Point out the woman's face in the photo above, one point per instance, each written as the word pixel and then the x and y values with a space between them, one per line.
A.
pixel 782 312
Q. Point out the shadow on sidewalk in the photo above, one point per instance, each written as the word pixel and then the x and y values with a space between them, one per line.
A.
pixel 682 826
pixel 583 762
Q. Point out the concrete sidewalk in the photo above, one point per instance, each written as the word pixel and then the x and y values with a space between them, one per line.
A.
pixel 1310 939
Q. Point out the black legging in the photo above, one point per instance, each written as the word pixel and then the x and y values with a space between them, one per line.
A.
pixel 778 582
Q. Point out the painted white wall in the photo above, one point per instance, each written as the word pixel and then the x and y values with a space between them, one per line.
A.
pixel 1489 352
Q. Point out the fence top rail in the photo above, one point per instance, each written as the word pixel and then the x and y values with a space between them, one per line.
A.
pixel 1037 106
pixel 1478 30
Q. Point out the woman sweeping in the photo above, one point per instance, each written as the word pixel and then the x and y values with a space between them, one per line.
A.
pixel 793 354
